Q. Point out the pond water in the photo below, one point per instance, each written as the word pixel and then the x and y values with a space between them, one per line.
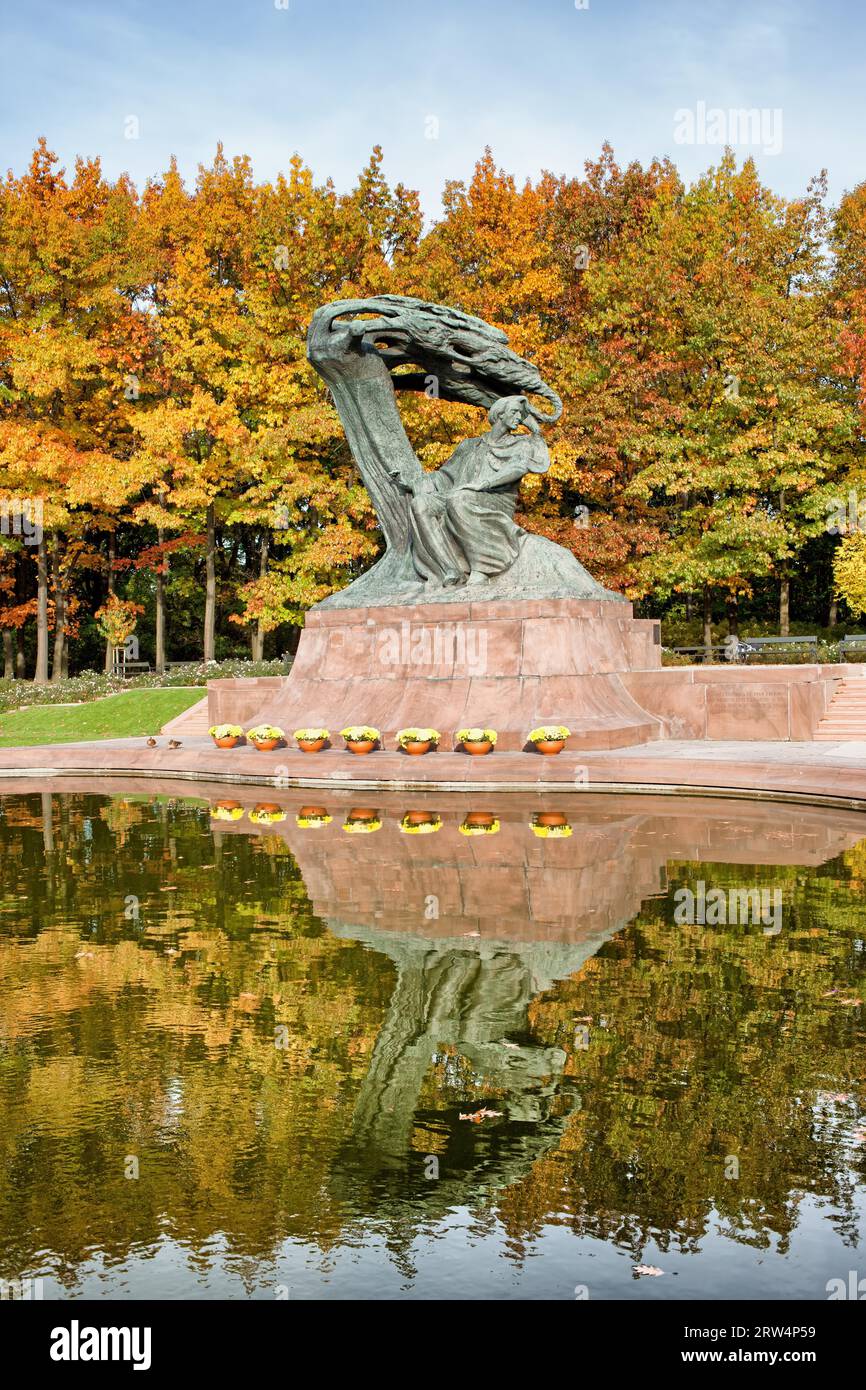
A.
pixel 453 1047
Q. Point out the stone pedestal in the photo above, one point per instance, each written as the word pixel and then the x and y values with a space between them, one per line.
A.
pixel 507 665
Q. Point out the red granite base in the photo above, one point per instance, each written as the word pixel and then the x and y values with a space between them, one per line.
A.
pixel 512 666
pixel 737 702
pixel 507 666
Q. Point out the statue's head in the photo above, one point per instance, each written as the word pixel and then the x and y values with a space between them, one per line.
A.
pixel 508 412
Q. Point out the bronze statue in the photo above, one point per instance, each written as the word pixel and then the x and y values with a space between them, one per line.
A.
pixel 450 532
pixel 462 516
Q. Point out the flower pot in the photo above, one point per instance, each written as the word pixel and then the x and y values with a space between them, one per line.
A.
pixel 551 818
pixel 482 818
pixel 362 813
pixel 416 749
pixel 227 805
pixel 311 745
pixel 419 817
pixel 360 746
pixel 550 746
pixel 477 750
pixel 268 808
pixel 312 812
pixel 231 742
pixel 265 745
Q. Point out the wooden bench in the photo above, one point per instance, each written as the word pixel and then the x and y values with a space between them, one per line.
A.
pixel 855 643
pixel 721 650
pixel 755 646
pixel 128 668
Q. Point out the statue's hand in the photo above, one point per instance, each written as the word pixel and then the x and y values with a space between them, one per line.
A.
pixel 401 481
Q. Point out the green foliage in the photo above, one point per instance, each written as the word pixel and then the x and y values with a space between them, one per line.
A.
pixel 155 393
pixel 849 570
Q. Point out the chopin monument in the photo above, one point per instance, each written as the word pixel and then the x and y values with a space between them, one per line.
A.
pixel 450 535
pixel 467 619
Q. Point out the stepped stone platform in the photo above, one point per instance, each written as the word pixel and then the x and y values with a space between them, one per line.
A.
pixel 588 664
pixel 786 732
pixel 845 716
pixel 507 665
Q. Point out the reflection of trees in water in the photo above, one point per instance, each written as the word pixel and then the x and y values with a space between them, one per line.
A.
pixel 716 1042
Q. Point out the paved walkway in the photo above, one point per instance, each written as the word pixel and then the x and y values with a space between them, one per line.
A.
pixel 826 773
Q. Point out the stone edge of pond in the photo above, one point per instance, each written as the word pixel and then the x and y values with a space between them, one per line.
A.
pixel 610 785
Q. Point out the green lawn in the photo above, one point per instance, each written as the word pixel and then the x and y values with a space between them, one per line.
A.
pixel 119 716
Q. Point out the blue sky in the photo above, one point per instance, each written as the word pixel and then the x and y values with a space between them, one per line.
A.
pixel 543 82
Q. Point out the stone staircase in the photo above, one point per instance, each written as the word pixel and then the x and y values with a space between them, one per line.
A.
pixel 845 718
pixel 193 723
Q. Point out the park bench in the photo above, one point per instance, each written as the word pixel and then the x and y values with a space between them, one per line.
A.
pixel 720 651
pixel 855 643
pixel 124 666
pixel 756 646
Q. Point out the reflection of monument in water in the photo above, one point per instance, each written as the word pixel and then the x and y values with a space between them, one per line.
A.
pixel 478 926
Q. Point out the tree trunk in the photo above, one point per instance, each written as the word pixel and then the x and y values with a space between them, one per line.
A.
pixel 112 556
pixel 59 612
pixel 784 606
pixel 708 622
pixel 160 615
pixel 41 673
pixel 733 616
pixel 48 822
pixel 8 655
pixel 833 617
pixel 22 594
pixel 210 587
pixel 688 608
pixel 258 636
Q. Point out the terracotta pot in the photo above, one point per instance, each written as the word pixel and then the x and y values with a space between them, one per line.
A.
pixel 230 742
pixel 265 745
pixel 478 749
pixel 310 745
pixel 309 812
pixel 361 746
pixel 228 805
pixel 549 746
pixel 416 749
pixel 267 808
pixel 478 818
pixel 362 813
pixel 551 818
pixel 419 817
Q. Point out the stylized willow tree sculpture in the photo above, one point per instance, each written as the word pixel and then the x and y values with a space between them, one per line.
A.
pixel 361 347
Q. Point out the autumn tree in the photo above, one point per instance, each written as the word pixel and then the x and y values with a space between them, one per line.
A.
pixel 68 327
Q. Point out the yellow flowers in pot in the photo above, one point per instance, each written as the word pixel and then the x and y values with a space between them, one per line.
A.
pixel 417 741
pixel 477 741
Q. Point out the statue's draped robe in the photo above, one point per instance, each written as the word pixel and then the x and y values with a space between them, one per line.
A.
pixel 462 517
